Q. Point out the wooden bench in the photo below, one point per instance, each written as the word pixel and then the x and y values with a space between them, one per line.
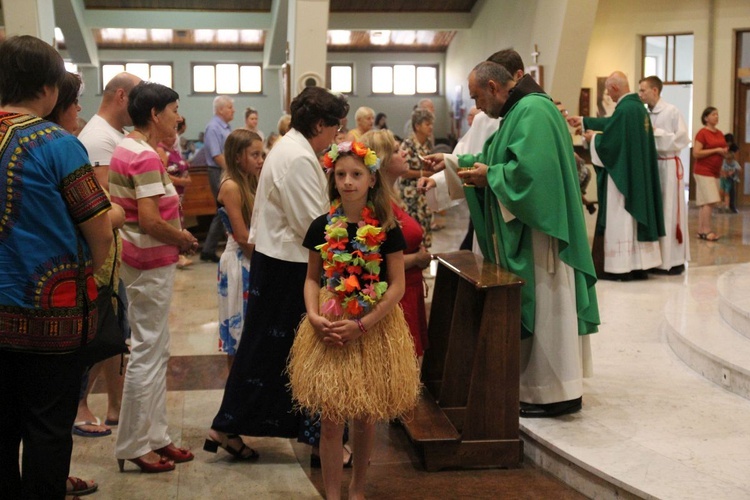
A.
pixel 467 416
pixel 198 199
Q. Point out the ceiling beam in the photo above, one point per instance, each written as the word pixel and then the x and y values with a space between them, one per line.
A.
pixel 131 18
pixel 438 21
pixel 184 20
pixel 79 41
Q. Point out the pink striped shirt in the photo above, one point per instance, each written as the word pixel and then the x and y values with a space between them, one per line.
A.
pixel 135 172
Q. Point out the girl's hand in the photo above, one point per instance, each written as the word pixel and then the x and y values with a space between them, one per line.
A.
pixel 347 330
pixel 322 327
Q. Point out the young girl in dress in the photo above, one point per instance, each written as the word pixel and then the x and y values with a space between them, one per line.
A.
pixel 243 151
pixel 353 357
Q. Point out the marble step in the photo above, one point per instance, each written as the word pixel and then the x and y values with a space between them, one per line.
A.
pixel 734 298
pixel 708 327
pixel 652 426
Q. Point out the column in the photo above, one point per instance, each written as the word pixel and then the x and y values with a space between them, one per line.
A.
pixel 307 36
pixel 30 17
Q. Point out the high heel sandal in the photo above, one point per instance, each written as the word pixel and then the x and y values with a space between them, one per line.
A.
pixel 212 446
pixel 177 455
pixel 163 465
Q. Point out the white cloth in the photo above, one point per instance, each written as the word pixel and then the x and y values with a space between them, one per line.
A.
pixel 448 189
pixel 143 416
pixel 100 139
pixel 234 284
pixel 622 250
pixel 292 191
pixel 671 136
pixel 555 359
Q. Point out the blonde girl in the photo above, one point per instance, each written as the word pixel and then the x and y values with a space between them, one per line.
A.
pixel 353 357
pixel 243 151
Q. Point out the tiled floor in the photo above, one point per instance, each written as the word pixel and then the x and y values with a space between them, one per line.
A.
pixel 197 374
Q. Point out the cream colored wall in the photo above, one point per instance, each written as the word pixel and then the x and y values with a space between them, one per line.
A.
pixel 559 28
pixel 616 45
pixel 498 24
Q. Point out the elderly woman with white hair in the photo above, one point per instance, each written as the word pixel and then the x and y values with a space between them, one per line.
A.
pixel 365 119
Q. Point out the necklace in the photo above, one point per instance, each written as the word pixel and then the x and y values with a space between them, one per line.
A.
pixel 145 136
pixel 353 277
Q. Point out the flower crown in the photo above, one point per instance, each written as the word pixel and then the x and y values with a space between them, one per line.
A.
pixel 357 148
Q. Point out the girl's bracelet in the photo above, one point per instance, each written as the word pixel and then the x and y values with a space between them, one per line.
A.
pixel 360 325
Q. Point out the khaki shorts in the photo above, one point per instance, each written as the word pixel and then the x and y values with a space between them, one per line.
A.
pixel 706 190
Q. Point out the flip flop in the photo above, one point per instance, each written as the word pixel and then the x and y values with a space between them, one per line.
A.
pixel 111 423
pixel 80 487
pixel 80 432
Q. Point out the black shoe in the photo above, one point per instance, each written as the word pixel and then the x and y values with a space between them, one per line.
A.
pixel 676 270
pixel 616 276
pixel 734 210
pixel 638 274
pixel 549 410
pixel 209 257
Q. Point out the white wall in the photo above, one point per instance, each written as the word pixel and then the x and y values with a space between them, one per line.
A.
pixel 197 108
pixel 560 29
pixel 398 108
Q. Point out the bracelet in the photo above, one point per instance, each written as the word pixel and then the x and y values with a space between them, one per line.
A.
pixel 360 325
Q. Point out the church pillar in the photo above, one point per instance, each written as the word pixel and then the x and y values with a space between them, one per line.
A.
pixel 30 17
pixel 307 36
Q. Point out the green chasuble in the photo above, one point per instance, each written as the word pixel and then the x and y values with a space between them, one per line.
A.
pixel 628 152
pixel 532 172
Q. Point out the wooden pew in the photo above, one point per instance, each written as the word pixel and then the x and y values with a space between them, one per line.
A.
pixel 198 199
pixel 467 416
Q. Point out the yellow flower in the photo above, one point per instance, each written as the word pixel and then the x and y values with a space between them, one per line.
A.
pixel 371 158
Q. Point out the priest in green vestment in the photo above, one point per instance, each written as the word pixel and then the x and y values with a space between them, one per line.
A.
pixel 529 220
pixel 630 219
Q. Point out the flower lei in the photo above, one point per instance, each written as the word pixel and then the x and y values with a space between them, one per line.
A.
pixel 353 277
pixel 368 155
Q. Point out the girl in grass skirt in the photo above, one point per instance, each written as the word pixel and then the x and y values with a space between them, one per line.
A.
pixel 353 357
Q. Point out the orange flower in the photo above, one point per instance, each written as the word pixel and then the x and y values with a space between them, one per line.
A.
pixel 373 240
pixel 327 161
pixel 359 149
pixel 351 284
pixel 337 244
pixel 369 217
pixel 353 307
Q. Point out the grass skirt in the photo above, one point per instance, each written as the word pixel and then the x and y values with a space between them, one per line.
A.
pixel 375 377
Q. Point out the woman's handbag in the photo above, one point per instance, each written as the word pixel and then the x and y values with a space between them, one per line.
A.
pixel 108 340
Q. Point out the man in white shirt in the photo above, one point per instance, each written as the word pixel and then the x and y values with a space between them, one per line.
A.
pixel 671 135
pixel 105 130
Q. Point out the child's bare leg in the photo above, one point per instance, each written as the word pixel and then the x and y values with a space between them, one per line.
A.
pixel 363 443
pixel 331 435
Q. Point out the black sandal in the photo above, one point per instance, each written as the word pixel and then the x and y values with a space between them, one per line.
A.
pixel 213 446
pixel 315 460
